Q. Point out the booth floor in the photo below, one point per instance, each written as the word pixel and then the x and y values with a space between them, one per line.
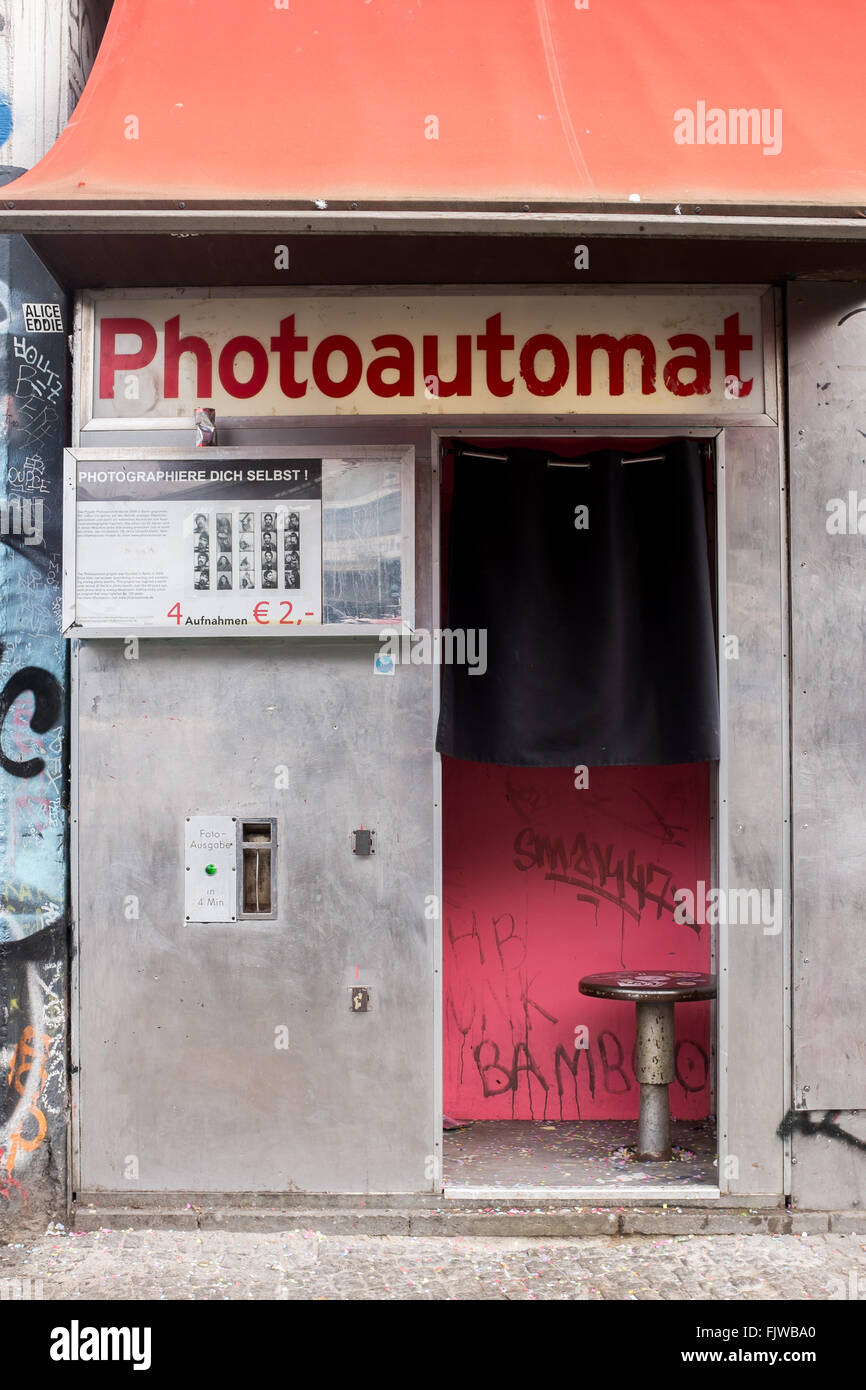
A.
pixel 587 1154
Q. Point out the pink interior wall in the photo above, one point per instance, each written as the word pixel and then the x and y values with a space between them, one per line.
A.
pixel 544 883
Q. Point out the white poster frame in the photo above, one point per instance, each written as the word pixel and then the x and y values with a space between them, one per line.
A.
pixel 399 455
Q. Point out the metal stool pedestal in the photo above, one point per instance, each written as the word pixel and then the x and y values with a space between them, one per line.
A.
pixel 655 1072
pixel 655 993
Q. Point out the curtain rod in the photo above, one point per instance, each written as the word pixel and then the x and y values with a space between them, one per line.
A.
pixel 559 463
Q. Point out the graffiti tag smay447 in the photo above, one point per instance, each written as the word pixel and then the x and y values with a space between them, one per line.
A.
pixel 629 883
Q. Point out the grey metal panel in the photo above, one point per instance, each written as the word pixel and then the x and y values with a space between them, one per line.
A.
pixel 829 1161
pixel 256 1115
pixel 179 1068
pixel 827 352
pixel 753 852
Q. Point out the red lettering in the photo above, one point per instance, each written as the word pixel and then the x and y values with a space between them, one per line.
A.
pixel 174 346
pixel 111 361
pixel 259 374
pixel 616 349
pixel 461 382
pixel 403 364
pixel 493 342
pixel 286 345
pixel 700 364
pixel 544 342
pixel 337 342
pixel 732 342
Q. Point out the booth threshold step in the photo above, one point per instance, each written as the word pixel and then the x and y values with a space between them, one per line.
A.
pixel 502 1216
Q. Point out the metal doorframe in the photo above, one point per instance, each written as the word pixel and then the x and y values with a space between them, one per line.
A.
pixel 718 777
pixel 74 1138
pixel 718 842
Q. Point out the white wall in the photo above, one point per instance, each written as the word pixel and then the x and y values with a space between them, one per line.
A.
pixel 47 49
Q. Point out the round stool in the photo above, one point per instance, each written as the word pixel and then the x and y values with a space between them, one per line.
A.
pixel 654 992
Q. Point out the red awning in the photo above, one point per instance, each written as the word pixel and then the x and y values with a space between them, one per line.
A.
pixel 405 102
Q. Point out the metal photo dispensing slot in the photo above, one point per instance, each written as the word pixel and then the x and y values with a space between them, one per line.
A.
pixel 257 864
pixel 230 868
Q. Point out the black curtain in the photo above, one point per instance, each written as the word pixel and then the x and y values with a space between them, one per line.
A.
pixel 600 645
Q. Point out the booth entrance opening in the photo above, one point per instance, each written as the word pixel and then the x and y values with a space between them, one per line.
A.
pixel 554 873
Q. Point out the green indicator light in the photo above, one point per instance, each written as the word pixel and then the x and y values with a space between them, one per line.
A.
pixel 210 868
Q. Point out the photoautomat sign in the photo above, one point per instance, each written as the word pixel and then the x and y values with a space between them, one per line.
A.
pixel 493 353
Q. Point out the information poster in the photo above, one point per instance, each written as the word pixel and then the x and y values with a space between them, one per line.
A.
pixel 189 544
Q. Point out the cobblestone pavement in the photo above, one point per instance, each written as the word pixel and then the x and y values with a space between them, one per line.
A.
pixel 305 1264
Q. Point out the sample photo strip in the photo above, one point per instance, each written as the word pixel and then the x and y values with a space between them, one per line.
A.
pixel 224 569
pixel 270 579
pixel 292 551
pixel 201 552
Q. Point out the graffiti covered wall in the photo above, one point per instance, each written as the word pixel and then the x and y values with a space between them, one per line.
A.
pixel 545 882
pixel 33 871
pixel 86 22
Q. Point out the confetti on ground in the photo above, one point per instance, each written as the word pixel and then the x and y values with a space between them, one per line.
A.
pixel 513 1154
